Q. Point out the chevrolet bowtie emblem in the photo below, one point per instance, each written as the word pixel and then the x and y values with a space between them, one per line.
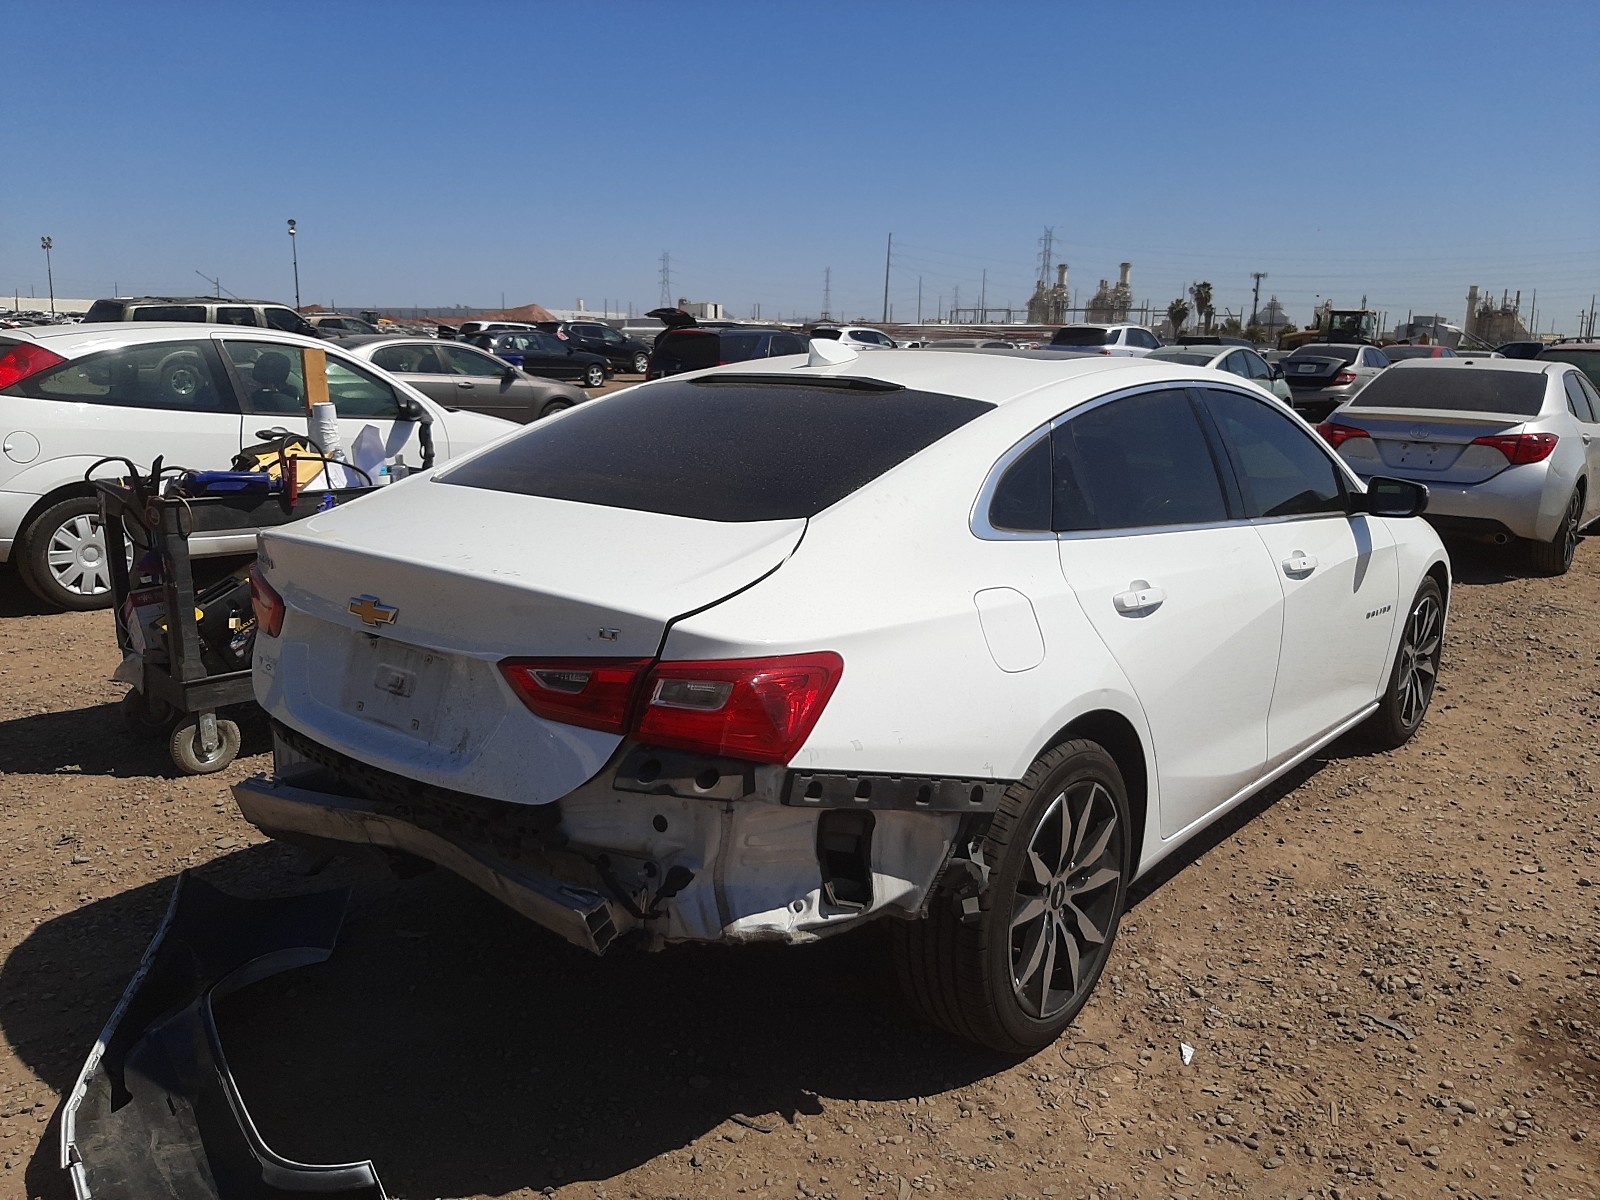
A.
pixel 372 612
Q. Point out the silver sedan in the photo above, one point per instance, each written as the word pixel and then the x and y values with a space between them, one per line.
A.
pixel 1509 448
pixel 464 377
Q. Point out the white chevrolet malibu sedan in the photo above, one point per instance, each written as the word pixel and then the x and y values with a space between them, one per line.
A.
pixel 961 641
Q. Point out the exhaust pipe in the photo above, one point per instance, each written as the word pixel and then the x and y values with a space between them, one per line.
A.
pixel 1500 539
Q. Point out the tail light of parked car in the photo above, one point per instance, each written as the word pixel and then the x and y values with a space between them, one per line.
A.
pixel 1521 449
pixel 266 603
pixel 1343 378
pixel 759 709
pixel 25 359
pixel 1338 435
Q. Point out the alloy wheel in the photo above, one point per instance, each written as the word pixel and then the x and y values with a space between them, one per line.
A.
pixel 1066 902
pixel 1419 659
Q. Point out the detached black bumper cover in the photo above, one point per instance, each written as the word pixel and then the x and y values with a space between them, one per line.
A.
pixel 155 1114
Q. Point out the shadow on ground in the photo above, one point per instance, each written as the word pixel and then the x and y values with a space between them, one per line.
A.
pixel 95 741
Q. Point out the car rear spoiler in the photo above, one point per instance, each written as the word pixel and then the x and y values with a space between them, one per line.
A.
pixel 155 1113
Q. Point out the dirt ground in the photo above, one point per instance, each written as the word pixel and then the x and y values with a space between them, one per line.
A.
pixel 1386 969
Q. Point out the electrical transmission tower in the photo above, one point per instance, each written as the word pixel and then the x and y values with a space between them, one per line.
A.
pixel 827 293
pixel 1046 254
pixel 666 280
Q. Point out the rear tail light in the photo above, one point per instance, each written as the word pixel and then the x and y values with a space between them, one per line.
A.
pixel 590 693
pixel 25 359
pixel 1338 435
pixel 1521 449
pixel 1343 378
pixel 759 709
pixel 266 603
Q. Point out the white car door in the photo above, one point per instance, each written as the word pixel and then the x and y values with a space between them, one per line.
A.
pixel 1183 595
pixel 1337 571
pixel 272 378
pixel 1584 403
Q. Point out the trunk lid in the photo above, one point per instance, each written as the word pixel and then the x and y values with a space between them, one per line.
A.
pixel 1428 445
pixel 401 605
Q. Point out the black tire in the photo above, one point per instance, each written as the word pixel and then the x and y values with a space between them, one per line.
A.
pixel 554 406
pixel 1555 556
pixel 187 756
pixel 1414 675
pixel 147 716
pixel 62 556
pixel 641 363
pixel 995 979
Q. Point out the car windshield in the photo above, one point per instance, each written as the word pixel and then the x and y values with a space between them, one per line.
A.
pixel 1587 361
pixel 1345 354
pixel 721 450
pixel 1470 389
pixel 1083 337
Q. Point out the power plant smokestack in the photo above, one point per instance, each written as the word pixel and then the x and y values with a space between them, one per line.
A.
pixel 1127 269
pixel 1061 275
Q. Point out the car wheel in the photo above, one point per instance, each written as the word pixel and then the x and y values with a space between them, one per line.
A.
pixel 641 363
pixel 63 556
pixel 1012 975
pixel 594 375
pixel 1415 672
pixel 190 758
pixel 554 406
pixel 1555 556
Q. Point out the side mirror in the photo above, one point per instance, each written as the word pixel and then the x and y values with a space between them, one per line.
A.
pixel 1387 497
pixel 410 410
pixel 509 374
pixel 1277 370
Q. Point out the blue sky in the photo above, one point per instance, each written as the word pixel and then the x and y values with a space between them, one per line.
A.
pixel 439 154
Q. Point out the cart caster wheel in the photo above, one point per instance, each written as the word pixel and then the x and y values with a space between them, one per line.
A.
pixel 145 715
pixel 187 755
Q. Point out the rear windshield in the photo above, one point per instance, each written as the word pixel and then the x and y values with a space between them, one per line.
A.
pixel 1396 353
pixel 1520 393
pixel 720 450
pixel 736 347
pixel 1345 354
pixel 1587 361
pixel 1189 358
pixel 1083 337
pixel 103 310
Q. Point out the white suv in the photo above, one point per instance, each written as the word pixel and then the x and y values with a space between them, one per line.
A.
pixel 194 395
pixel 1117 341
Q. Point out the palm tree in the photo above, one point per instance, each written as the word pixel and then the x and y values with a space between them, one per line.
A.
pixel 1202 304
pixel 1178 313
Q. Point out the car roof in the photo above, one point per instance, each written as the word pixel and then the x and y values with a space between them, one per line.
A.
pixel 1572 344
pixel 85 337
pixel 186 300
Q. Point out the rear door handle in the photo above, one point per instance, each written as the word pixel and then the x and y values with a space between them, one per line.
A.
pixel 1141 597
pixel 1299 563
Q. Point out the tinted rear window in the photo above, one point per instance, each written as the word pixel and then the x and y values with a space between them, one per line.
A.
pixel 1345 354
pixel 169 312
pixel 1396 353
pixel 731 450
pixel 103 310
pixel 1189 358
pixel 1587 361
pixel 1083 337
pixel 1464 390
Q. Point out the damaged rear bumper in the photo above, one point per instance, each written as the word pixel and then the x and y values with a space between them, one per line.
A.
pixel 155 1113
pixel 581 915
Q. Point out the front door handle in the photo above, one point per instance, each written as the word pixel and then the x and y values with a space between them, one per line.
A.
pixel 465 383
pixel 1140 598
pixel 1299 563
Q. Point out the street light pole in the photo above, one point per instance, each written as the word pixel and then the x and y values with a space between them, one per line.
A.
pixel 295 254
pixel 45 244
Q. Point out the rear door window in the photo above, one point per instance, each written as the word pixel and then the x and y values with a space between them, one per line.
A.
pixel 236 314
pixel 724 449
pixel 171 376
pixel 1577 402
pixel 273 375
pixel 1136 462
pixel 1082 337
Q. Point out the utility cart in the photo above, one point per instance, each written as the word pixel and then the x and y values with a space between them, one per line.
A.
pixel 186 651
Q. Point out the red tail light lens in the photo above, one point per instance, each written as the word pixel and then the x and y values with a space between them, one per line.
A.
pixel 1338 435
pixel 1521 449
pixel 1344 377
pixel 592 693
pixel 25 359
pixel 266 603
pixel 761 709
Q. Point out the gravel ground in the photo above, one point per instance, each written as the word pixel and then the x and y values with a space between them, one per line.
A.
pixel 1386 970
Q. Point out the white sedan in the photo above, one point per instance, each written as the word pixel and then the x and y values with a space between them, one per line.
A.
pixel 961 640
